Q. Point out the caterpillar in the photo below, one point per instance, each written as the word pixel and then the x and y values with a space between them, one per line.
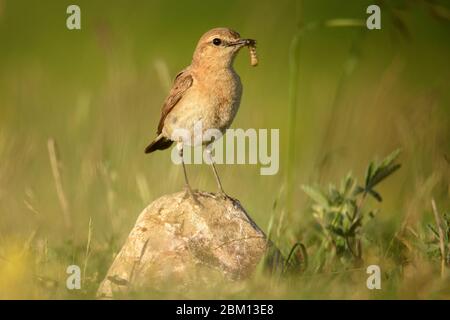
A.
pixel 253 56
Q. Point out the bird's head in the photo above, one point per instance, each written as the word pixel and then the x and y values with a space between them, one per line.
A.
pixel 218 47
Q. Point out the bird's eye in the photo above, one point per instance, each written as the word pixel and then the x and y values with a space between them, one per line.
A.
pixel 217 41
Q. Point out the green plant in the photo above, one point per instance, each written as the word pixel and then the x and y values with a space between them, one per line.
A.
pixel 440 241
pixel 339 210
pixel 439 244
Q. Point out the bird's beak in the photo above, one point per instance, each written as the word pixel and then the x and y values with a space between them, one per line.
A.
pixel 243 42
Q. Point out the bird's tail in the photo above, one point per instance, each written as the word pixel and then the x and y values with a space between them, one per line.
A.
pixel 160 143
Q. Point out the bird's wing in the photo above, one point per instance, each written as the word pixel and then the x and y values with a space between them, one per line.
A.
pixel 183 81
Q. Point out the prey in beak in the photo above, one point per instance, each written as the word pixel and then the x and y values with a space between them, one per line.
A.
pixel 242 43
pixel 251 44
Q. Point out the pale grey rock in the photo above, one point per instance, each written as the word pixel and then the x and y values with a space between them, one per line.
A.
pixel 180 243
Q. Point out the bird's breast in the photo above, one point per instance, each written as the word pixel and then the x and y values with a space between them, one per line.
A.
pixel 222 97
pixel 213 100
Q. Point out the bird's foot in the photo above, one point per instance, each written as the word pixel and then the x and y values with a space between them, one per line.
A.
pixel 189 194
pixel 222 195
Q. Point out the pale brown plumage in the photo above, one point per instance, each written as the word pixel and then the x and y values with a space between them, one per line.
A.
pixel 217 91
pixel 183 81
pixel 207 92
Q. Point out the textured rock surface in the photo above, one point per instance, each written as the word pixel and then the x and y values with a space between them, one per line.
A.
pixel 178 242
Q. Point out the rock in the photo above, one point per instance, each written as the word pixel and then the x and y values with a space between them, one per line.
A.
pixel 181 243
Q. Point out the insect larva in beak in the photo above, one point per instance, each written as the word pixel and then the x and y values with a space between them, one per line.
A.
pixel 253 56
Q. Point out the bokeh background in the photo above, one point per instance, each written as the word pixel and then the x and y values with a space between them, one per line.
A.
pixel 340 94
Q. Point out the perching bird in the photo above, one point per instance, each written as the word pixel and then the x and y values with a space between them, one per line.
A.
pixel 209 90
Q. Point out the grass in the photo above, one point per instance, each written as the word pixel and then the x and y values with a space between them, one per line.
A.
pixel 77 109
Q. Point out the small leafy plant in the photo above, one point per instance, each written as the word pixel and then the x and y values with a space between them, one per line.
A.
pixel 339 210
pixel 439 244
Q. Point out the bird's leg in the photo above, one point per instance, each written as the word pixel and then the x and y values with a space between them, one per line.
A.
pixel 187 186
pixel 219 184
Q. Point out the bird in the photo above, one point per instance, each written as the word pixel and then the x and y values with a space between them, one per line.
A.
pixel 209 91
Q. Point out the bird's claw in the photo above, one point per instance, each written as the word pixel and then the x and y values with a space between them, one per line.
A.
pixel 222 195
pixel 189 194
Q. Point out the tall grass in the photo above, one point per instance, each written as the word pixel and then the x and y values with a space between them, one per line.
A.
pixel 98 94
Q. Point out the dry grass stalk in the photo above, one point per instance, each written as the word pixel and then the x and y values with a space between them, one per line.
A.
pixel 55 164
pixel 437 217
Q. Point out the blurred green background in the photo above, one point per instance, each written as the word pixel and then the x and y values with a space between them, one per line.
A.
pixel 98 92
